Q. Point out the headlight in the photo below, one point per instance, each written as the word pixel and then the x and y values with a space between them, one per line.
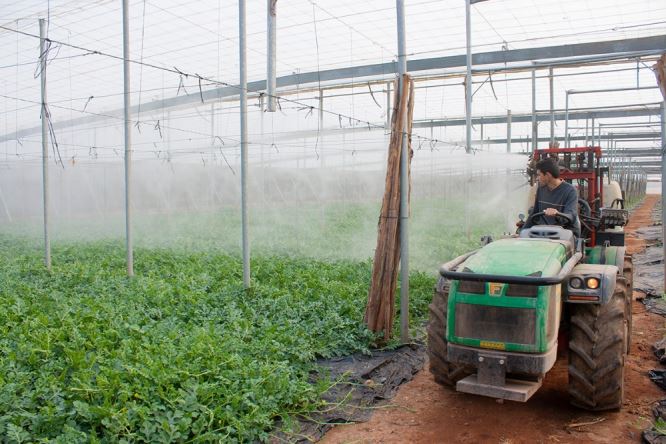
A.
pixel 576 282
pixel 592 283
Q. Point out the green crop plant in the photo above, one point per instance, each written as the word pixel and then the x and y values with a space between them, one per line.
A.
pixel 179 352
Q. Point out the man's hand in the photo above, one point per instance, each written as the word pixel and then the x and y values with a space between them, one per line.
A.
pixel 550 212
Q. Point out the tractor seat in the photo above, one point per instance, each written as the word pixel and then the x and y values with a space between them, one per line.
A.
pixel 553 232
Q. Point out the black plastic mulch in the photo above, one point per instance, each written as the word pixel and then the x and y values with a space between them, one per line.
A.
pixel 366 382
pixel 654 436
pixel 649 279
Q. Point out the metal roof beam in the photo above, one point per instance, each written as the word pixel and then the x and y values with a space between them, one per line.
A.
pixel 523 118
pixel 579 51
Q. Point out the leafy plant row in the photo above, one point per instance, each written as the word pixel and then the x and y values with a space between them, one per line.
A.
pixel 179 353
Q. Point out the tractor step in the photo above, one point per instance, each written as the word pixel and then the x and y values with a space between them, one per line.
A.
pixel 513 389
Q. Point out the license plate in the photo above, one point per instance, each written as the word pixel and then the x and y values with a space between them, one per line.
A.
pixel 493 345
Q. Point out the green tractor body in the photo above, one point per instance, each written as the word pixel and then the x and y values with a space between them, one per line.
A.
pixel 499 313
pixel 511 317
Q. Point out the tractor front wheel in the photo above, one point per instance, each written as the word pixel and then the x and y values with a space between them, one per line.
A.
pixel 444 372
pixel 597 349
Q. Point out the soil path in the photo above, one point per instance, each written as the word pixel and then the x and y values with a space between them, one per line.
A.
pixel 424 412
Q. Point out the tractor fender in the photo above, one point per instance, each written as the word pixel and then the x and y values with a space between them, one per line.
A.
pixel 606 275
pixel 611 255
pixel 619 258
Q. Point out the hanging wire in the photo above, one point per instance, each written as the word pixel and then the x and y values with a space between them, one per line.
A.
pixel 352 120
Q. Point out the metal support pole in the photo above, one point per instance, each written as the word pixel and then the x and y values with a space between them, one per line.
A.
pixel 128 142
pixel 404 185
pixel 242 40
pixel 468 78
pixel 663 182
pixel 566 119
pixel 508 130
pixel 552 107
pixel 534 117
pixel 270 75
pixel 45 144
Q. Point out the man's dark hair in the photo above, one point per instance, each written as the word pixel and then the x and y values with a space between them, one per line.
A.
pixel 548 165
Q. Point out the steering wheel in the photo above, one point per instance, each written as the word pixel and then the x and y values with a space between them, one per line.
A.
pixel 561 218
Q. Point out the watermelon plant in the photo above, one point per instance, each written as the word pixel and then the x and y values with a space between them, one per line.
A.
pixel 178 353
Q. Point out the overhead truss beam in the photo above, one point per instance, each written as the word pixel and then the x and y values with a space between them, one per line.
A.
pixel 577 54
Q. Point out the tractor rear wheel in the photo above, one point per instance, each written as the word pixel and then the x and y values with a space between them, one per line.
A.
pixel 444 372
pixel 597 350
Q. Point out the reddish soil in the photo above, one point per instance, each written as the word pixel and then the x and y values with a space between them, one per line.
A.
pixel 424 412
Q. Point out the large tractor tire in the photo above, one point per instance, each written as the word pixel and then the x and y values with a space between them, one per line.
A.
pixel 444 372
pixel 597 350
pixel 628 274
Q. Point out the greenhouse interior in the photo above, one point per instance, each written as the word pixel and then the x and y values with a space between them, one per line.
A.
pixel 200 201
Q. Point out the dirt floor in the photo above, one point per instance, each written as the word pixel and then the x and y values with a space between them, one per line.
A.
pixel 424 412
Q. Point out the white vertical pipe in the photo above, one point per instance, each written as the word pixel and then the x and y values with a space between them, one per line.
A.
pixel 242 37
pixel 552 107
pixel 534 116
pixel 468 78
pixel 270 75
pixel 566 120
pixel 45 145
pixel 128 142
pixel 404 185
pixel 508 130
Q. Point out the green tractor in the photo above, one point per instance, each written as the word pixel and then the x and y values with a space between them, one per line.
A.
pixel 499 313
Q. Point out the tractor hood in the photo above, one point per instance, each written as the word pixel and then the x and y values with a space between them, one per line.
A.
pixel 517 257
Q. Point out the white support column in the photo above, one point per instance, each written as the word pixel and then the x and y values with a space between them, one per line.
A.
pixel 552 107
pixel 128 142
pixel 45 145
pixel 270 76
pixel 242 39
pixel 468 78
pixel 534 116
pixel 566 119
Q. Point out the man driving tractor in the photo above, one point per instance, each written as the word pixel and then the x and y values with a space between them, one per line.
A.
pixel 554 196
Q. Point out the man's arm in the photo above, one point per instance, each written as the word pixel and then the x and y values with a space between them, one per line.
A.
pixel 571 203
